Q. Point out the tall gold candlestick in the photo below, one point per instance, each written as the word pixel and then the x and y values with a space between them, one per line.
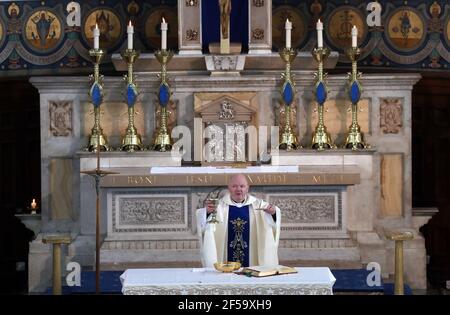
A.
pixel 321 138
pixel 97 139
pixel 355 138
pixel 163 141
pixel 288 138
pixel 132 139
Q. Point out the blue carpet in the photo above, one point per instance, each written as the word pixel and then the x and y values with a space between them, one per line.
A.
pixel 109 283
pixel 389 289
pixel 353 280
pixel 347 280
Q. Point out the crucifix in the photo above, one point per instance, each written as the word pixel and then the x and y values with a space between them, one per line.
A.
pixel 97 174
pixel 225 11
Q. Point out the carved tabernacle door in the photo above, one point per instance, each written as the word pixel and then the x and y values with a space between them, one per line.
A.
pixel 228 128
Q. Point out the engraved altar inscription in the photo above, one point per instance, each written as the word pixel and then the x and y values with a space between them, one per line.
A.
pixel 199 179
pixel 268 179
pixel 140 180
pixel 255 179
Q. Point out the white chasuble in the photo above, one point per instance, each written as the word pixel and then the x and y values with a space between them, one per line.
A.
pixel 258 247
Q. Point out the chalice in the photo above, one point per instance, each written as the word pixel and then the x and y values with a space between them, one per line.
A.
pixel 213 216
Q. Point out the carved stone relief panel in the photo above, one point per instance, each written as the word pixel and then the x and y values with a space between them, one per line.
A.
pixel 191 3
pixel 258 34
pixel 391 113
pixel 60 118
pixel 258 3
pixel 150 211
pixel 191 35
pixel 309 210
pixel 225 62
pixel 141 211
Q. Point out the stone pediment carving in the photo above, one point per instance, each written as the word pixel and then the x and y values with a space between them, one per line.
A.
pixel 226 108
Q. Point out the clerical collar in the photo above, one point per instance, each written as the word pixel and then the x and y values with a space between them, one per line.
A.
pixel 238 204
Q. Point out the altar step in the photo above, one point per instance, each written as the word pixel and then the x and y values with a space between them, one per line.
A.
pixel 332 264
pixel 186 253
pixel 144 265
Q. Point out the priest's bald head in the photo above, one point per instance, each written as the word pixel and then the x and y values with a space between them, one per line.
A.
pixel 238 187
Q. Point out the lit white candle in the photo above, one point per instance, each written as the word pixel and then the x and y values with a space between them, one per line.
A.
pixel 130 31
pixel 319 27
pixel 354 37
pixel 96 37
pixel 288 27
pixel 163 34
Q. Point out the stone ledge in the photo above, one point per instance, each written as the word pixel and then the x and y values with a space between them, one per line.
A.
pixel 139 255
pixel 193 244
pixel 146 264
pixel 332 264
pixel 183 62
pixel 316 243
pixel 150 245
pixel 344 254
pixel 119 159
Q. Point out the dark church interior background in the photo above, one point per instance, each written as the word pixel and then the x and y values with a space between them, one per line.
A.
pixel 35 39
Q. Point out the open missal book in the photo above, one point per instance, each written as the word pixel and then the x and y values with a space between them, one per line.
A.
pixel 264 271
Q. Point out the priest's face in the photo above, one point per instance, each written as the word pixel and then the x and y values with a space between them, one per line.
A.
pixel 238 188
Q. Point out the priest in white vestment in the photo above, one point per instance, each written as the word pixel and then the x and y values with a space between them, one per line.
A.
pixel 248 230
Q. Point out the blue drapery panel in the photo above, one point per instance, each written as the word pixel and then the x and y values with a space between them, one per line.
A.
pixel 239 234
pixel 238 23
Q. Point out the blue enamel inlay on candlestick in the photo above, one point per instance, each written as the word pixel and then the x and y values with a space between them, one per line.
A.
pixel 96 94
pixel 321 93
pixel 288 93
pixel 355 92
pixel 163 94
pixel 131 95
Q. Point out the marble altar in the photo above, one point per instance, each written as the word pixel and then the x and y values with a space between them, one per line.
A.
pixel 360 193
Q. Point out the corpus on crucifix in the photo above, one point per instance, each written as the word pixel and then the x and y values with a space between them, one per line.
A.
pixel 225 12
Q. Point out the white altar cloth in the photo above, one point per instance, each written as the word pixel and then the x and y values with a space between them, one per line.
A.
pixel 224 169
pixel 207 281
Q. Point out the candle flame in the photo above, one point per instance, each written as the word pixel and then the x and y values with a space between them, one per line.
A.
pixel 129 23
pixel 164 21
pixel 96 26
